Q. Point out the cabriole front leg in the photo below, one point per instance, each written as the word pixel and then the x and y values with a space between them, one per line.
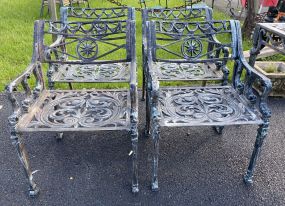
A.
pixel 261 135
pixel 219 129
pixel 147 116
pixel 155 138
pixel 144 73
pixel 22 154
pixel 134 136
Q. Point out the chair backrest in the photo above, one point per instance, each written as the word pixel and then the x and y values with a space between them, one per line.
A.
pixel 172 41
pixel 194 13
pixel 87 42
pixel 68 14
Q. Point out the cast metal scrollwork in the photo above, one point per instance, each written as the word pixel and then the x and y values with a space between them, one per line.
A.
pixel 204 106
pixel 180 71
pixel 88 109
pixel 96 13
pixel 87 49
pixel 191 48
pixel 89 73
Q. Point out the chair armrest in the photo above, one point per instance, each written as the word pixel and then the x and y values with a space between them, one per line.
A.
pixel 133 79
pixel 134 97
pixel 153 92
pixel 53 50
pixel 152 81
pixel 245 86
pixel 58 41
pixel 31 93
pixel 133 85
pixel 252 75
pixel 144 50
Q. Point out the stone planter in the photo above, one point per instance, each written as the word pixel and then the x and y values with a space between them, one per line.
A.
pixel 275 71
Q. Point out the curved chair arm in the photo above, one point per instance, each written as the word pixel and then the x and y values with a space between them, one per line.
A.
pixel 31 94
pixel 53 49
pixel 133 75
pixel 265 84
pixel 251 76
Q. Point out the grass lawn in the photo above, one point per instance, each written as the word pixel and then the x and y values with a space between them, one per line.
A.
pixel 16 34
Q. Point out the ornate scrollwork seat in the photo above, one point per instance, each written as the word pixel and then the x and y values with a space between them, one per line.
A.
pixel 83 110
pixel 78 110
pixel 209 106
pixel 171 48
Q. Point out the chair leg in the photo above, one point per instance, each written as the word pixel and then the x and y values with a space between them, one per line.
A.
pixel 88 5
pixel 155 137
pixel 42 9
pixel 51 85
pixel 23 156
pixel 147 116
pixel 70 85
pixel 261 135
pixel 219 129
pixel 143 87
pixel 59 136
pixel 144 73
pixel 134 137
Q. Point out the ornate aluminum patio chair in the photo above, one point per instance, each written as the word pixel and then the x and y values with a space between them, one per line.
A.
pixel 217 105
pixel 78 110
pixel 80 73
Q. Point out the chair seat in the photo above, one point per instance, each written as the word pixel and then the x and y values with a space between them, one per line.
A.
pixel 118 72
pixel 186 71
pixel 78 111
pixel 198 106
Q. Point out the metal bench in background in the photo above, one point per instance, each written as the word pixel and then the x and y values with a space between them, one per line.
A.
pixel 63 3
pixel 86 110
pixel 173 43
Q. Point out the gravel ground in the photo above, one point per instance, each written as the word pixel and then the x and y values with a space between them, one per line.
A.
pixel 197 166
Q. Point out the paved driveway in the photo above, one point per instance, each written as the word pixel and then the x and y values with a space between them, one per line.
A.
pixel 197 167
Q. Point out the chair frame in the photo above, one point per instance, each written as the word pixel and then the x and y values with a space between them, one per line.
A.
pixel 37 97
pixel 242 87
